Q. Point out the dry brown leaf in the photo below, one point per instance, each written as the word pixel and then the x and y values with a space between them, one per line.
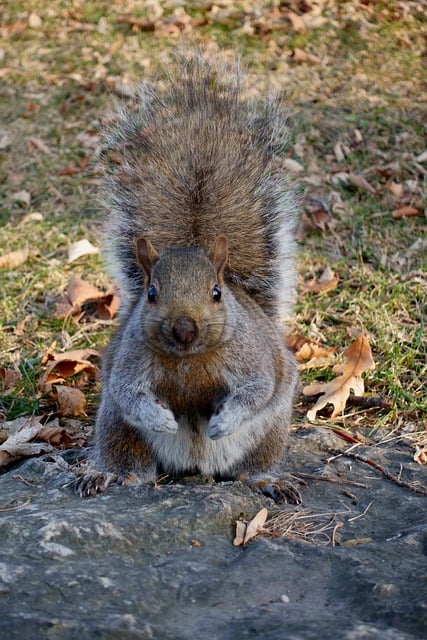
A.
pixel 306 349
pixel 9 379
pixel 22 433
pixel 395 188
pixel 71 401
pixel 360 183
pixel 358 358
pixel 327 281
pixel 66 365
pixel 405 212
pixel 317 362
pixel 72 169
pixel 107 306
pixel 117 44
pixel 315 214
pixel 37 143
pixel 247 531
pixel 255 525
pixel 420 455
pixel 80 292
pixel 298 55
pixel 18 443
pixel 13 259
pixel 298 24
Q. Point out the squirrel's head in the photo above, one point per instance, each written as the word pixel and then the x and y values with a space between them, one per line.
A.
pixel 183 310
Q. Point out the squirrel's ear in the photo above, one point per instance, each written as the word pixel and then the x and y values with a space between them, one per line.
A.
pixel 219 254
pixel 146 255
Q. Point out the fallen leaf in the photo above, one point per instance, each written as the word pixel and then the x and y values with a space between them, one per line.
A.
pixel 292 165
pixel 420 455
pixel 65 365
pixel 395 188
pixel 247 531
pixel 405 212
pixel 317 362
pixel 298 55
pixel 13 259
pixel 316 214
pixel 360 183
pixel 327 281
pixel 37 143
pixel 81 248
pixel 139 23
pixel 22 196
pixel 117 44
pixel 108 306
pixel 339 154
pixel 35 216
pixel 255 525
pixel 305 349
pixel 79 293
pixel 240 533
pixel 72 169
pixel 17 445
pixel 298 24
pixel 358 358
pixel 5 142
pixel 34 21
pixel 71 401
pixel 9 379
pixel 22 433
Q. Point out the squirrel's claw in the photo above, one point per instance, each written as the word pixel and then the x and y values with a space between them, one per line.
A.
pixel 93 482
pixel 281 489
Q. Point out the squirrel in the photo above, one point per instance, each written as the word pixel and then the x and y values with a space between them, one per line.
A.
pixel 200 237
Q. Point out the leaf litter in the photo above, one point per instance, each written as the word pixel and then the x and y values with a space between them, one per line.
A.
pixel 299 524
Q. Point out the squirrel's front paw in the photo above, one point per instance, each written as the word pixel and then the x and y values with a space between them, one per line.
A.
pixel 152 415
pixel 163 420
pixel 223 423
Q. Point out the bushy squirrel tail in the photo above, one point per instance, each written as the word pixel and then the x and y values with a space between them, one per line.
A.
pixel 192 158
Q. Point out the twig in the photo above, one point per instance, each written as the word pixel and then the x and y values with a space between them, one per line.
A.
pixel 313 476
pixel 28 483
pixel 18 506
pixel 366 402
pixel 361 514
pixel 401 483
pixel 338 525
pixel 339 453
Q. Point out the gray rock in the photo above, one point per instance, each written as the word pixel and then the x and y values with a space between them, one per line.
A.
pixel 158 562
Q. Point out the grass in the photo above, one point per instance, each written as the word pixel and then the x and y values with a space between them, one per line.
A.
pixel 56 83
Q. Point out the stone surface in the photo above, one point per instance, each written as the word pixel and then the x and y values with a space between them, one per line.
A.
pixel 158 562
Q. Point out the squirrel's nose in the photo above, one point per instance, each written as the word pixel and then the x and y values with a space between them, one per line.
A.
pixel 184 330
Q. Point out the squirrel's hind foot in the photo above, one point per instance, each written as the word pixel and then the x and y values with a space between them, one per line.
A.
pixel 281 489
pixel 93 482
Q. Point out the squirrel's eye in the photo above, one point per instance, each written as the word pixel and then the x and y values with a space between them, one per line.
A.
pixel 152 294
pixel 216 293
